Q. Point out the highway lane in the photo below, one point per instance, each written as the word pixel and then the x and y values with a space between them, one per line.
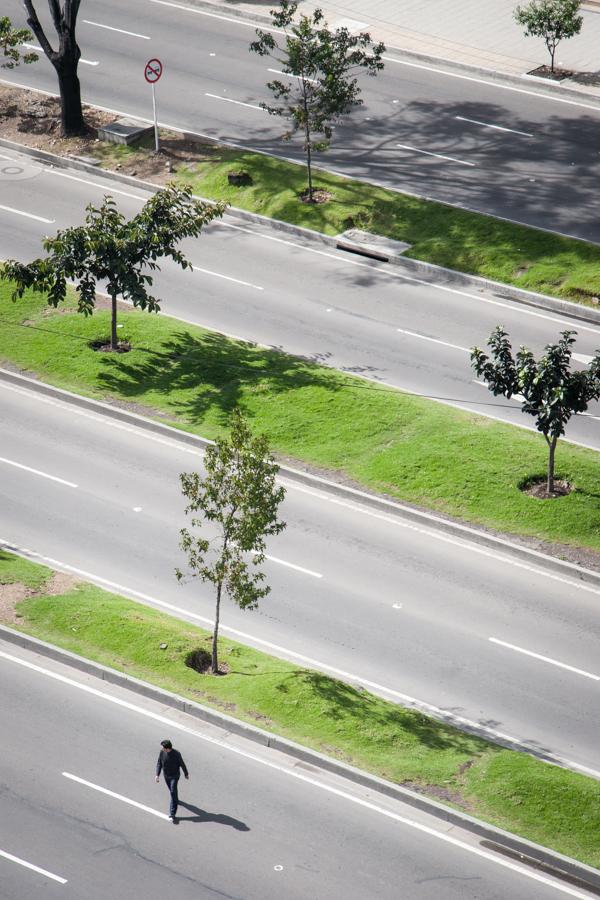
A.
pixel 274 289
pixel 404 610
pixel 465 140
pixel 253 824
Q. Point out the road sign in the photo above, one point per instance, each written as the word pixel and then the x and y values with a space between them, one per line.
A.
pixel 153 70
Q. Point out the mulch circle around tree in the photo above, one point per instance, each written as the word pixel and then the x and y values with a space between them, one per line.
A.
pixel 103 346
pixel 537 487
pixel 546 72
pixel 319 196
pixel 200 661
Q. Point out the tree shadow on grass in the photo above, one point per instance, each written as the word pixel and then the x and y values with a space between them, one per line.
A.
pixel 201 374
pixel 344 700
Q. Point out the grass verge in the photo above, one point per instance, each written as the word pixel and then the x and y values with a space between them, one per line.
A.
pixel 554 807
pixel 468 242
pixel 416 450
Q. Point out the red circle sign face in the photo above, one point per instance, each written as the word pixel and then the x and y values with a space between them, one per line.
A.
pixel 153 70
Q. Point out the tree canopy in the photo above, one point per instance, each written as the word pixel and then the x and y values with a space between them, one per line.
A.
pixel 11 41
pixel 551 20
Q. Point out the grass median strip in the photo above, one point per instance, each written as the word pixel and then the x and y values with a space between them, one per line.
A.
pixel 468 242
pixel 415 450
pixel 554 807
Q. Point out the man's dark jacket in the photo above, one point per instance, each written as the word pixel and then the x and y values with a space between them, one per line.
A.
pixel 170 763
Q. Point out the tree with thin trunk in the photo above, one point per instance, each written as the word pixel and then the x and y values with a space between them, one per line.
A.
pixel 65 59
pixel 551 20
pixel 116 251
pixel 11 41
pixel 234 508
pixel 320 67
pixel 550 390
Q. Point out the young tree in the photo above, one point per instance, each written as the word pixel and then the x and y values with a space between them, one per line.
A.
pixel 239 496
pixel 109 248
pixel 321 65
pixel 11 40
pixel 551 391
pixel 551 20
pixel 65 59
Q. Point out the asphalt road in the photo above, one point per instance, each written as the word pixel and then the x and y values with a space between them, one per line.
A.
pixel 454 137
pixel 253 824
pixel 274 289
pixel 405 610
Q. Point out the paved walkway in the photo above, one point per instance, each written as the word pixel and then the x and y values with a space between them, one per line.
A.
pixel 473 32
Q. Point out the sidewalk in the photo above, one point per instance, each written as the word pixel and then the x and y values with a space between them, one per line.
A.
pixel 479 33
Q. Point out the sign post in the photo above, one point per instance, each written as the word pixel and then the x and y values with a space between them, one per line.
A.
pixel 152 72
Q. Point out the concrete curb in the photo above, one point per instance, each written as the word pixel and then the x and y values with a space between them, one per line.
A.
pixel 421 518
pixel 429 272
pixel 549 861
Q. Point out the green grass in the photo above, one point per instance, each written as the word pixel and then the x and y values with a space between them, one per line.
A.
pixel 465 241
pixel 415 450
pixel 551 806
pixel 16 570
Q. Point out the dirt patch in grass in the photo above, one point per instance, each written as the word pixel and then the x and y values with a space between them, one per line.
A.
pixel 12 594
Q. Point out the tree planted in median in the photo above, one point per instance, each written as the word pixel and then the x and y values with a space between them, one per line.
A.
pixel 11 41
pixel 110 248
pixel 319 65
pixel 65 59
pixel 551 20
pixel 238 496
pixel 550 390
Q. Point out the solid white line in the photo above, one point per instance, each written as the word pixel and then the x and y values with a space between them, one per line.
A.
pixel 307 779
pixel 291 75
pixel 237 102
pixel 548 659
pixel 290 565
pixel 120 30
pixel 101 790
pixel 495 127
pixel 19 212
pixel 103 187
pixel 37 49
pixel 494 84
pixel 202 12
pixel 11 462
pixel 583 358
pixel 437 155
pixel 429 708
pixel 27 865
pixel 423 337
pixel 227 278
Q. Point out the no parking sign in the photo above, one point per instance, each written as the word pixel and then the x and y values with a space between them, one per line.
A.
pixel 152 72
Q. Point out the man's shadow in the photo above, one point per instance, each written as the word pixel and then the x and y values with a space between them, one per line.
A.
pixel 201 815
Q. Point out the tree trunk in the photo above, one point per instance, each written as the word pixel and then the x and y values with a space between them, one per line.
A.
pixel 551 449
pixel 307 140
pixel 552 55
pixel 71 113
pixel 309 168
pixel 113 322
pixel 214 664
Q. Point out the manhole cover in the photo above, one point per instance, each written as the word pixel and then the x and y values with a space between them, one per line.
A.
pixel 15 170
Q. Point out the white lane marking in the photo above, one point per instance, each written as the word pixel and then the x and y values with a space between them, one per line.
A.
pixel 17 465
pixel 256 287
pixel 424 337
pixel 201 12
pixel 462 162
pixel 290 565
pixel 20 212
pixel 28 865
pixel 86 62
pixel 108 188
pixel 494 84
pixel 101 790
pixel 548 659
pixel 583 358
pixel 295 773
pixel 495 127
pixel 429 708
pixel 237 102
pixel 291 75
pixel 144 37
pixel 137 508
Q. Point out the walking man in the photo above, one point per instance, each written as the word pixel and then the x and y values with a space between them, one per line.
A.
pixel 170 762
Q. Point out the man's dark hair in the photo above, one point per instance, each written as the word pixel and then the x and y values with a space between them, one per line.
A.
pixel 167 745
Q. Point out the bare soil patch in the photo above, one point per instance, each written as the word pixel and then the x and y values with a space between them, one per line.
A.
pixel 319 196
pixel 546 72
pixel 12 594
pixel 537 487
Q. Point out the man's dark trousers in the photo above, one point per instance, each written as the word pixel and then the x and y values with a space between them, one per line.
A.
pixel 172 785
